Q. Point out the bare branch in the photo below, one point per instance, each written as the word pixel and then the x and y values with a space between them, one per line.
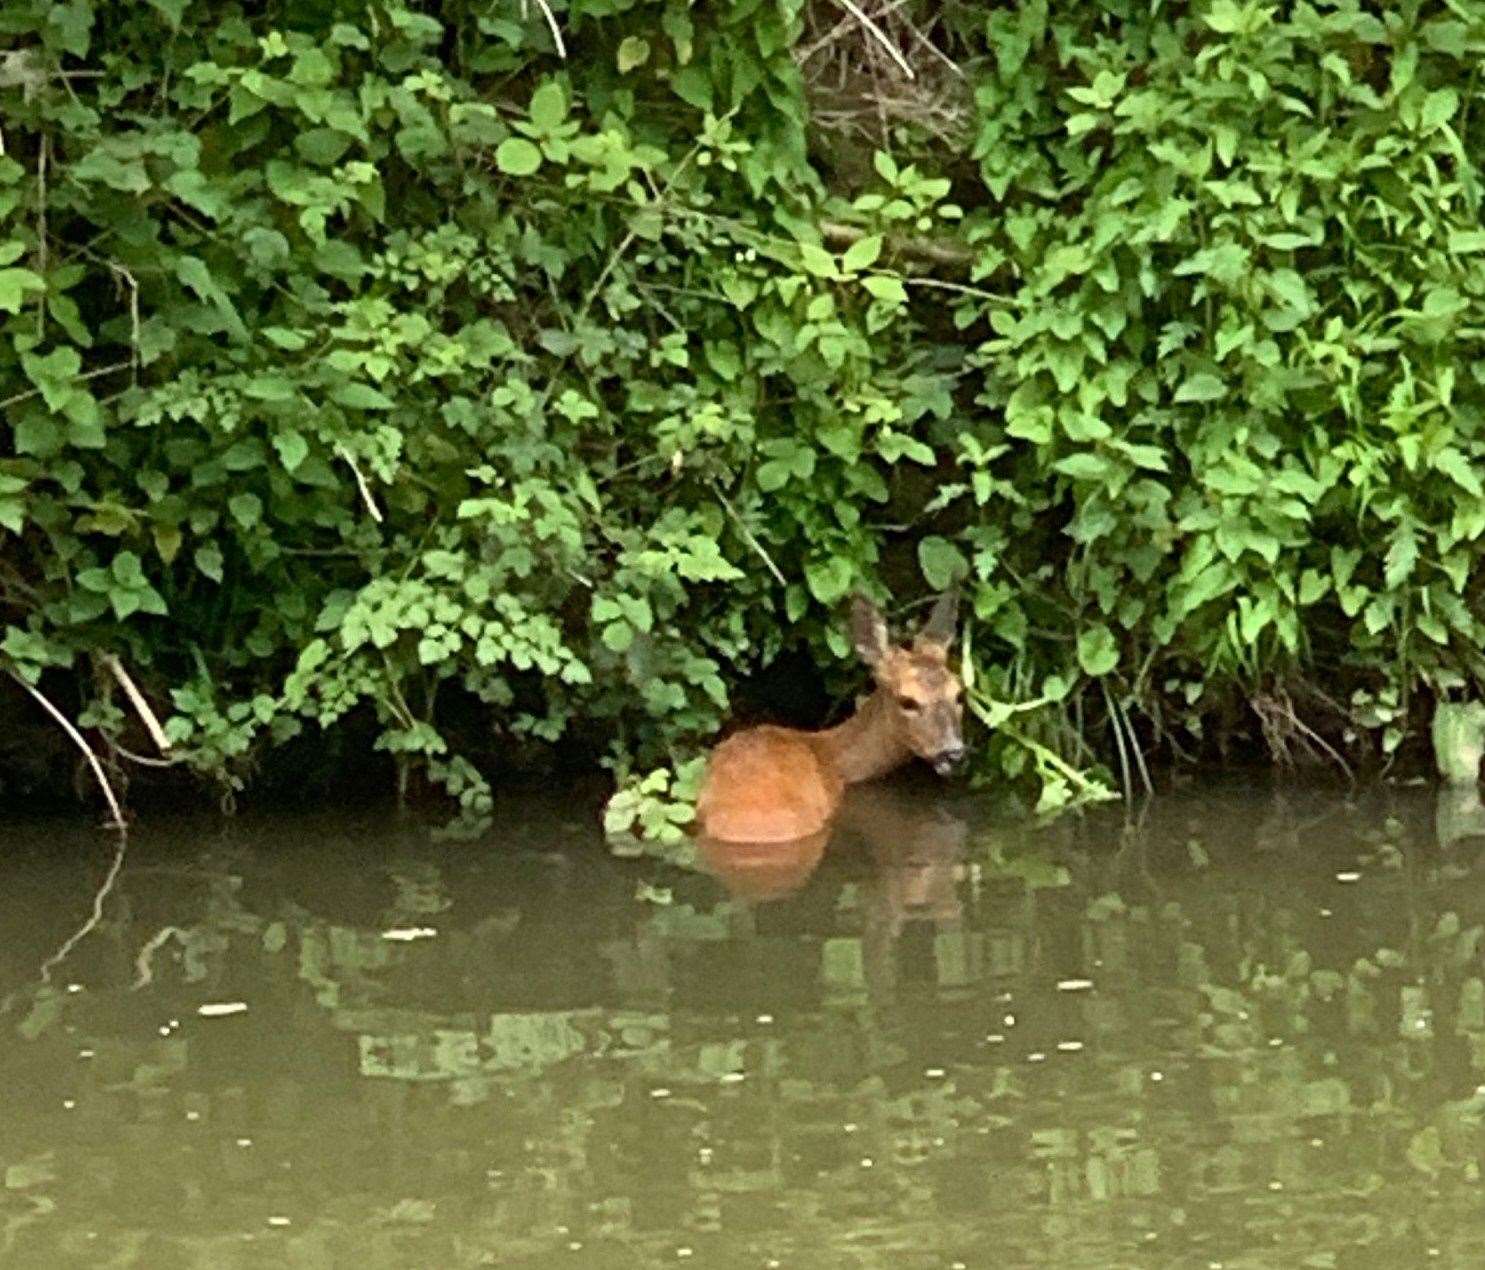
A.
pixel 141 706
pixel 81 742
pixel 877 34
pixel 556 30
pixel 366 497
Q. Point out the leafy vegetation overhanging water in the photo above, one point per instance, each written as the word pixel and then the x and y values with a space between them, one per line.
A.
pixel 465 379
pixel 1247 1030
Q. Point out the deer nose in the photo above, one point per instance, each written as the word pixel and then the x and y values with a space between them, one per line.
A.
pixel 945 761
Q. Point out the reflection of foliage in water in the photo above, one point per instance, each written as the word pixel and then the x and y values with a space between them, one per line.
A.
pixel 1249 1060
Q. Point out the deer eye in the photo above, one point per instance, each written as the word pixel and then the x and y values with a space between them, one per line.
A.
pixel 909 705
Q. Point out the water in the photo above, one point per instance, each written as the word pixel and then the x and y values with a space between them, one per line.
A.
pixel 1247 1030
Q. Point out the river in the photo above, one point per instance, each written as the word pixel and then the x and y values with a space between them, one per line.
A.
pixel 1242 1026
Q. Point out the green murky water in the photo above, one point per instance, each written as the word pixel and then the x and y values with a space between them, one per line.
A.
pixel 1246 1030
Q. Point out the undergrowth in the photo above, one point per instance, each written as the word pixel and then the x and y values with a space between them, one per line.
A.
pixel 367 358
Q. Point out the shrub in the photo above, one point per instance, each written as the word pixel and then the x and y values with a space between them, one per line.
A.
pixel 357 357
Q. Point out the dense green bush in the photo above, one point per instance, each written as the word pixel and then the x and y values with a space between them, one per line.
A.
pixel 358 356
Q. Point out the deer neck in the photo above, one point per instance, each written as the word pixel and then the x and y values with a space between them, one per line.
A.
pixel 865 745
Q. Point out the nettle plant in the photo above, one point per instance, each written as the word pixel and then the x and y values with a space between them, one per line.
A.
pixel 392 363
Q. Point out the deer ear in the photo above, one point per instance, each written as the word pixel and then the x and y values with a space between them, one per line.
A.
pixel 868 630
pixel 938 631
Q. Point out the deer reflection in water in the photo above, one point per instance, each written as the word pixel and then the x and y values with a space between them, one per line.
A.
pixel 914 843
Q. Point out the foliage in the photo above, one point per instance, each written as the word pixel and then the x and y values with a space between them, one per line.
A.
pixel 364 359
pixel 1459 742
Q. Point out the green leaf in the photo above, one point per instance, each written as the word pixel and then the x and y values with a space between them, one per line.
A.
pixel 1313 584
pixel 292 449
pixel 12 513
pixel 773 474
pixel 1460 470
pixel 634 51
pixel 862 254
pixel 887 289
pixel 1438 108
pixel 54 374
pixel 339 259
pixel 269 388
pixel 209 561
pixel 38 434
pixel 1464 241
pixel 192 271
pixel 1202 386
pixel 246 509
pixel 361 397
pixel 549 106
pixel 126 569
pixel 1097 652
pixel 517 157
pixel 1402 555
pixel 1226 263
pixel 14 283
pixel 173 10
pixel 817 261
pixel 829 579
pixel 693 85
pixel 1084 467
pixel 941 561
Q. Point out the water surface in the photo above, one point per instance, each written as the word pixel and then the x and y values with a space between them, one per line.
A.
pixel 1246 1029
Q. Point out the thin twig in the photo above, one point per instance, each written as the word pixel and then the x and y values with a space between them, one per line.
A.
pixel 1139 754
pixel 119 271
pixel 556 31
pixel 42 155
pixel 81 742
pixel 1323 745
pixel 959 288
pixel 144 760
pixel 841 234
pixel 1114 723
pixel 141 706
pixel 934 48
pixel 748 535
pixel 366 497
pixel 36 392
pixel 878 34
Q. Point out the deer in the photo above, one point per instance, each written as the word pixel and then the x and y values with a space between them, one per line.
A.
pixel 771 784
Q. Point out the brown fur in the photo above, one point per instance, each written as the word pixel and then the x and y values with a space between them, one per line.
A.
pixel 772 784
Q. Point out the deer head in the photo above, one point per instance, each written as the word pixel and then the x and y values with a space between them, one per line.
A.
pixel 922 693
